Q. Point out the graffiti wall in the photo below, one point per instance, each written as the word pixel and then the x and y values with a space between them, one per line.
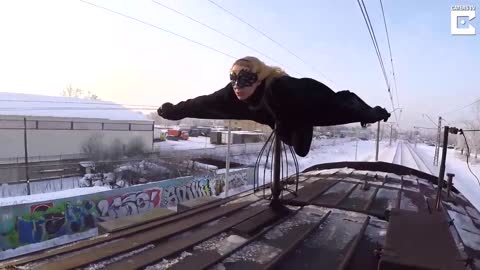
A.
pixel 236 179
pixel 32 223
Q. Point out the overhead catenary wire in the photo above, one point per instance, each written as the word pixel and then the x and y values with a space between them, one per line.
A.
pixel 463 107
pixel 390 51
pixel 271 39
pixel 371 31
pixel 222 33
pixel 161 29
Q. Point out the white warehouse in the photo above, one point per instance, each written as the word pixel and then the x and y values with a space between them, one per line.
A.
pixel 59 127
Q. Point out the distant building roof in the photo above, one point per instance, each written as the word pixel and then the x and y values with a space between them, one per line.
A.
pixel 17 104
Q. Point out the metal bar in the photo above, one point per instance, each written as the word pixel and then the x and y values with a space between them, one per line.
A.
pixel 450 181
pixel 354 245
pixel 442 168
pixel 276 189
pixel 205 260
pixel 172 246
pixel 378 141
pixel 292 245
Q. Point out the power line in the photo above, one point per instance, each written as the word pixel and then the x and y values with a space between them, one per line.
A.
pixel 373 37
pixel 271 39
pixel 368 23
pixel 221 33
pixel 468 156
pixel 390 51
pixel 463 107
pixel 435 124
pixel 159 28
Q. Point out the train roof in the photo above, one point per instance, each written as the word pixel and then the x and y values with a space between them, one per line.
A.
pixel 345 215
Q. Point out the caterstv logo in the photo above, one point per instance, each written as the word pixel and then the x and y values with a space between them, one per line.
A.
pixel 460 20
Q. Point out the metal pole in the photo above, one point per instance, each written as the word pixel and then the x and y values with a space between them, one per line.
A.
pixel 26 153
pixel 437 149
pixel 227 165
pixel 378 141
pixel 276 171
pixel 356 148
pixel 391 132
pixel 450 183
pixel 442 167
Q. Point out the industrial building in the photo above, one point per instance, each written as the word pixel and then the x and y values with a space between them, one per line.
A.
pixel 60 127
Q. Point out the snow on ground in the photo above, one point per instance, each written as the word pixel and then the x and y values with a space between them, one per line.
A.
pixel 464 181
pixel 50 195
pixel 323 151
pixel 386 152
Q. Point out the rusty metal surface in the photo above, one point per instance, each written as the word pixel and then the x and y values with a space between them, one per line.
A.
pixel 258 222
pixel 274 247
pixel 419 241
pixel 170 247
pixel 204 256
pixel 376 166
pixel 334 195
pixel 327 246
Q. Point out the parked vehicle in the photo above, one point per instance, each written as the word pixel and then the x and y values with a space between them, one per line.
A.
pixel 177 134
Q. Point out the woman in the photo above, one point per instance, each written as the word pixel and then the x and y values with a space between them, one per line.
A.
pixel 269 96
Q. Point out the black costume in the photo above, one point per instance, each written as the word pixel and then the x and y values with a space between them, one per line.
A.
pixel 292 106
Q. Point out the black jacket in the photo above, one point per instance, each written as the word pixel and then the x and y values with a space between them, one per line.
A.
pixel 293 105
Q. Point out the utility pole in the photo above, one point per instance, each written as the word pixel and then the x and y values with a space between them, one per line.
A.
pixel 437 148
pixel 26 154
pixel 441 173
pixel 391 133
pixel 227 161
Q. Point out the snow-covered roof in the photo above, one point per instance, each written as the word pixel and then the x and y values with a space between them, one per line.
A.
pixel 17 104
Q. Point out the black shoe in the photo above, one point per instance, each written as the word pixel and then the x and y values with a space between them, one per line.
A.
pixel 301 139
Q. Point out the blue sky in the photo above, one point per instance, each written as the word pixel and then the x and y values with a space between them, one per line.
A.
pixel 46 45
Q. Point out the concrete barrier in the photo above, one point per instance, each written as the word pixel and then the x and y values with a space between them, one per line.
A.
pixel 31 223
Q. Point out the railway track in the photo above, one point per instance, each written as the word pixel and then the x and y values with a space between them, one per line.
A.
pixel 406 155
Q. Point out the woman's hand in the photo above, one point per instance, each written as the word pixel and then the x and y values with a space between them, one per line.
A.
pixel 164 109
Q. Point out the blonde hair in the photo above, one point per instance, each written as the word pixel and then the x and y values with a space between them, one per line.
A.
pixel 264 71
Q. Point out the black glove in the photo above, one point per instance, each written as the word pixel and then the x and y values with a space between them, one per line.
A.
pixel 164 109
pixel 376 114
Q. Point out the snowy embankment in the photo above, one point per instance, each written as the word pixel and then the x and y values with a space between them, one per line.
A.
pixel 464 181
pixel 47 196
pixel 324 151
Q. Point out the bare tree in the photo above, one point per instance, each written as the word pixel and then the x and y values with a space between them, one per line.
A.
pixel 69 91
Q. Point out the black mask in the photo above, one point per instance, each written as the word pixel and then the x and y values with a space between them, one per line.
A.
pixel 243 79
